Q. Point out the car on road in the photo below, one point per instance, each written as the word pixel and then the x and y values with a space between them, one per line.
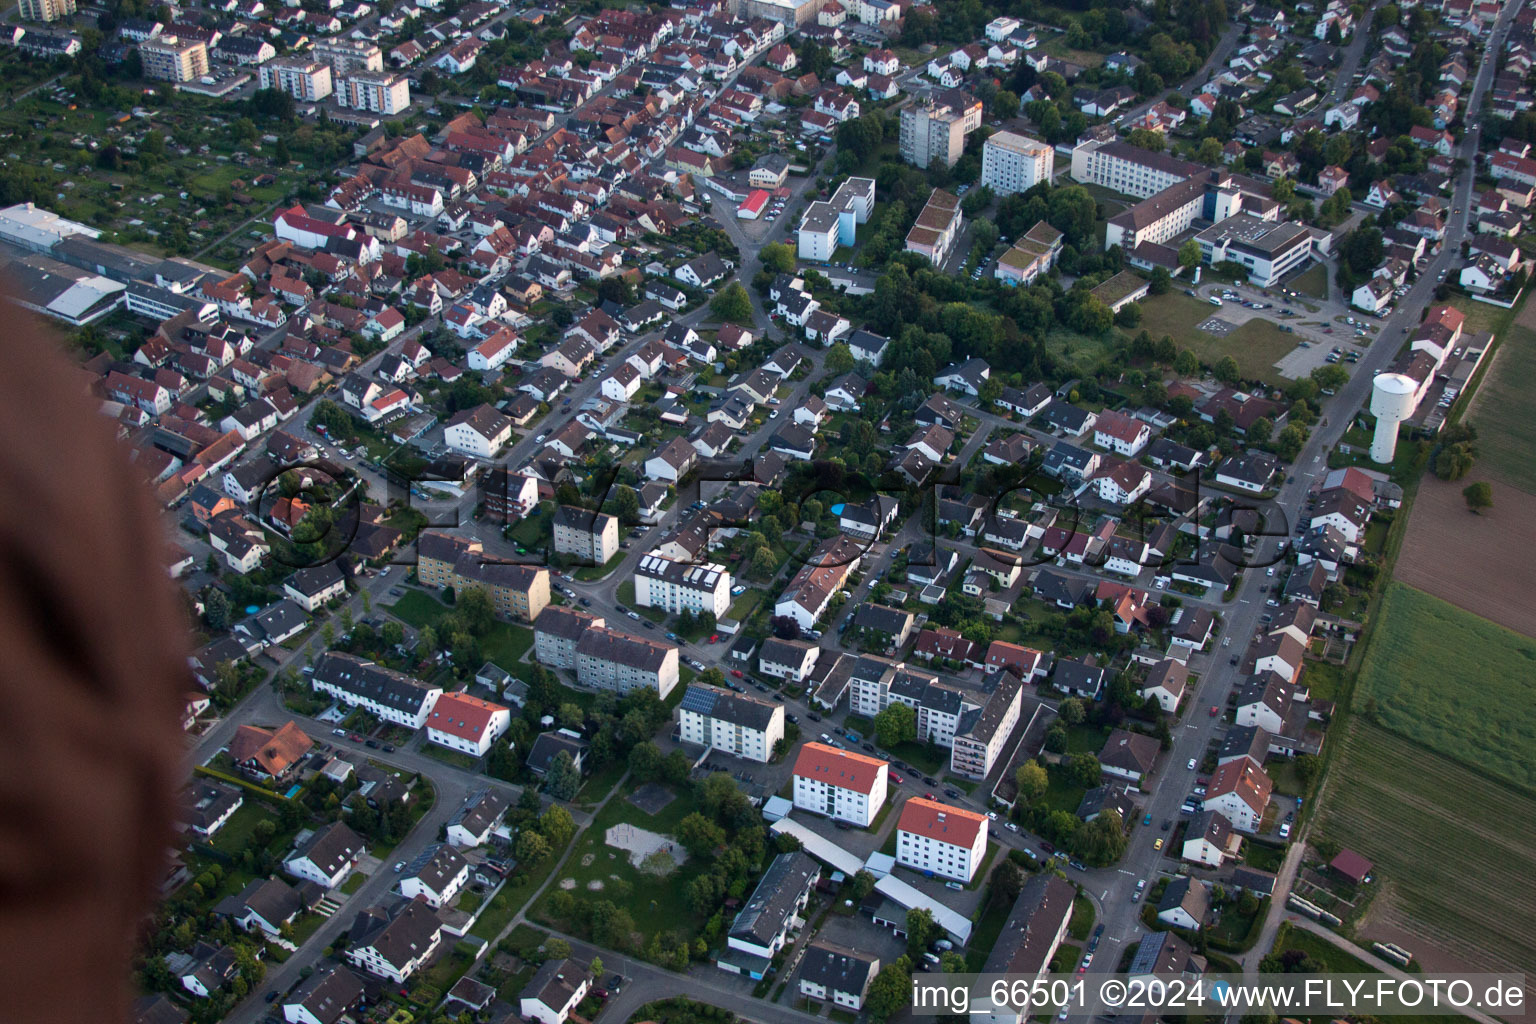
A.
pixel 371 743
pixel 897 779
pixel 1214 711
pixel 355 737
pixel 738 590
pixel 396 592
pixel 991 815
pixel 1191 765
pixel 389 748
pixel 399 866
pixel 633 615
pixel 738 673
pixel 868 747
pixel 585 602
pixel 1157 844
pixel 813 716
pixel 714 638
pixel 929 781
pixel 1010 826
pixel 1146 819
pixel 339 732
pixel 271 997
pixel 615 982
pixel 1285 830
pixel 953 794
pixel 954 885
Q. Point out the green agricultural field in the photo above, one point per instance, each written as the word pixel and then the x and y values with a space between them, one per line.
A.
pixel 1504 412
pixel 1415 814
pixel 1452 682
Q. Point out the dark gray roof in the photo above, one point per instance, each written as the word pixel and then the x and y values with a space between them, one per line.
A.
pixel 328 994
pixel 1024 946
pixel 548 746
pixel 771 903
pixel 399 936
pixel 480 810
pixel 1160 953
pixel 209 801
pixel 555 983
pixel 436 866
pixel 330 847
pixel 366 679
pixel 611 645
pixel 837 968
pixel 314 579
pixel 1189 893
pixel 738 709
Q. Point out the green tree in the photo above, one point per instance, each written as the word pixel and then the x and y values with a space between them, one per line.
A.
pixel 891 991
pixel 1209 151
pixel 1290 442
pixel 1185 364
pixel 531 847
pixel 475 609
pixel 557 949
pixel 1032 781
pixel 1071 711
pixel 562 779
pixel 1006 104
pixel 895 725
pixel 216 610
pixel 839 359
pixel 778 258
pixel 1479 496
pixel 558 826
pixel 1226 370
pixel 1189 254
pixel 699 835
pixel 1085 769
pixel 921 930
pixel 732 303
pixel 1330 377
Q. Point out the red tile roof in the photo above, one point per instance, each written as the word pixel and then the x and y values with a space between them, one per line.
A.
pixel 941 822
pixel 459 714
pixel 841 768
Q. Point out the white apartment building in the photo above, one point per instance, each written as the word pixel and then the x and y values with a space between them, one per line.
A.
pixel 1015 163
pixel 874 683
pixel 840 783
pixel 662 582
pixel 948 841
pixel 300 77
pixel 834 222
pixel 982 737
pixel 745 726
pixel 1129 169
pixel 378 92
pixel 937 227
pixel 349 56
pixel 610 660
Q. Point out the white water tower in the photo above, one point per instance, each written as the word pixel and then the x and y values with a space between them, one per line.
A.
pixel 1392 401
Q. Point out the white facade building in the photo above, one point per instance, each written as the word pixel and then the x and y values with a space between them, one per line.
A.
pixel 662 582
pixel 1015 163
pixel 934 837
pixel 745 726
pixel 840 783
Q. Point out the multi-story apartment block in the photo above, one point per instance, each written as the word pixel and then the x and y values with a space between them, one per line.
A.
pixel 46 10
pixel 983 734
pixel 874 683
pixel 833 222
pixel 300 77
pixel 557 632
pixel 518 592
pixel 947 841
pixel 349 56
pixel 1015 163
pixel 937 228
pixel 378 92
pixel 678 587
pixel 932 132
pixel 738 724
pixel 168 58
pixel 591 537
pixel 772 911
pixel 1129 169
pixel 386 694
pixel 840 783
pixel 610 660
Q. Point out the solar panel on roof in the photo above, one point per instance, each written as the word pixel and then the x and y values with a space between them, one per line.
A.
pixel 699 700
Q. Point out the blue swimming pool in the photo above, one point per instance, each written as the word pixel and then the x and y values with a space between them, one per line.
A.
pixel 837 509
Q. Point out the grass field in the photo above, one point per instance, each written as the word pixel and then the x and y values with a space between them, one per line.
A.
pixel 1453 682
pixel 1313 281
pixel 1410 811
pixel 656 904
pixel 1504 410
pixel 1255 345
pixel 505 644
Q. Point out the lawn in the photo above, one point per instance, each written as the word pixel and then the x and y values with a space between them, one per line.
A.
pixel 1313 281
pixel 1407 820
pixel 417 608
pixel 1442 677
pixel 656 904
pixel 1082 352
pixel 1507 433
pixel 745 605
pixel 1333 959
pixel 235 836
pixel 505 644
pixel 1255 345
pixel 587 573
pixel 625 594
pixel 520 885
